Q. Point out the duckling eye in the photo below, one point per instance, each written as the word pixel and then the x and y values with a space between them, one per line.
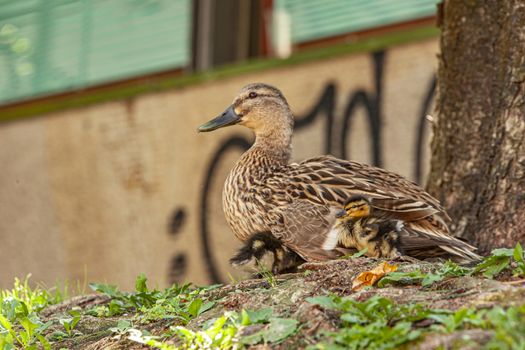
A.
pixel 252 95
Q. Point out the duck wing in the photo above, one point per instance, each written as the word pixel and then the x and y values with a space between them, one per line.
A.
pixel 303 227
pixel 422 239
pixel 334 180
pixel 328 181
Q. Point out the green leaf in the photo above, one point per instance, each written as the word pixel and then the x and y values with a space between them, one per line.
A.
pixel 58 335
pixel 4 322
pixel 109 290
pixel 280 329
pixel 322 300
pixel 502 252
pixel 359 253
pixel 76 318
pixel 115 307
pixel 43 326
pixel 495 263
pixel 66 323
pixel 430 278
pixel 259 316
pixel 44 342
pixel 253 339
pixel 122 327
pixel 194 307
pixel 206 306
pixel 245 319
pixel 30 327
pixel 25 309
pixel 140 284
pixel 518 253
pixel 412 277
pixel 351 318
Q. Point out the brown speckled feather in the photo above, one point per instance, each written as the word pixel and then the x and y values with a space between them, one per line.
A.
pixel 303 227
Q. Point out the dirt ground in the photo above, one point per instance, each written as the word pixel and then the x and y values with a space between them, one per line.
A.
pixel 286 295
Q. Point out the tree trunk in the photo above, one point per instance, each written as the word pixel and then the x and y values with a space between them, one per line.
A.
pixel 478 150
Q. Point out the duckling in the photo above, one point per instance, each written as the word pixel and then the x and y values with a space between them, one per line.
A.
pixel 359 225
pixel 356 227
pixel 297 202
pixel 261 243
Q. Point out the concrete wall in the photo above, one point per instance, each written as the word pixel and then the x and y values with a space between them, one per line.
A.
pixel 105 192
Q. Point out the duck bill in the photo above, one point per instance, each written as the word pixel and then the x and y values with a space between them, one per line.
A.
pixel 228 117
pixel 341 213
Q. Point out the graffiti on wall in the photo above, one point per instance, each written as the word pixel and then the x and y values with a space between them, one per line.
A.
pixel 324 109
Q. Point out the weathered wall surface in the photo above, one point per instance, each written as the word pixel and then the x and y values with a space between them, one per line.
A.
pixel 111 190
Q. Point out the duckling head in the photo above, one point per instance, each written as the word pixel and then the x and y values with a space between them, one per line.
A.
pixel 260 107
pixel 355 208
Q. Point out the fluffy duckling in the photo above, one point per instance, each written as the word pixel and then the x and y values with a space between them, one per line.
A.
pixel 356 227
pixel 360 225
pixel 262 243
pixel 297 202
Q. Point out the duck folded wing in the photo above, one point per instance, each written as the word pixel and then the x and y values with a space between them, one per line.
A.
pixel 393 192
pixel 304 227
pixel 404 209
pixel 423 235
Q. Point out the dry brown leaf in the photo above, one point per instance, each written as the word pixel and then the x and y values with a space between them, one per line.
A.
pixel 369 278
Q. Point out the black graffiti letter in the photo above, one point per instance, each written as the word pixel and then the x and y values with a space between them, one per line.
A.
pixel 234 142
pixel 372 105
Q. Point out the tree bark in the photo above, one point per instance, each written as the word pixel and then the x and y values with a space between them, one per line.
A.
pixel 478 149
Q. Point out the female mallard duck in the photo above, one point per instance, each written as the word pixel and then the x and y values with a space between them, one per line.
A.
pixel 297 202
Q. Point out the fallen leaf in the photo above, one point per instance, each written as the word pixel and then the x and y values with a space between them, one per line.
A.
pixel 369 278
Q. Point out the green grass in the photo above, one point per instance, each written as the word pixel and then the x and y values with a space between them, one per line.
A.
pixel 176 302
pixel 68 323
pixel 381 324
pixel 376 323
pixel 20 324
pixel 500 260
pixel 224 332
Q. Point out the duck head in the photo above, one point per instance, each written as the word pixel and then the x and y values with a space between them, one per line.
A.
pixel 355 208
pixel 258 106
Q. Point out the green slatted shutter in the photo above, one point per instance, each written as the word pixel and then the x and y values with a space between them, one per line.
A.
pixel 49 46
pixel 314 19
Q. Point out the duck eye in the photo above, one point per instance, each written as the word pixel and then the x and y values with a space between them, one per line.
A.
pixel 252 95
